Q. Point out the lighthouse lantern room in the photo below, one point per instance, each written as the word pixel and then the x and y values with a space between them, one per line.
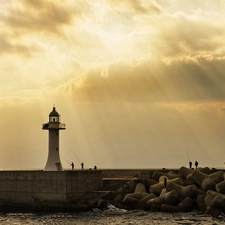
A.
pixel 53 126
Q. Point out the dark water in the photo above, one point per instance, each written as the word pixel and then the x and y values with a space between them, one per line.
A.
pixel 110 216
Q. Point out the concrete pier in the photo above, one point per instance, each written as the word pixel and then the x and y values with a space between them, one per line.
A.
pixel 46 189
pixel 82 190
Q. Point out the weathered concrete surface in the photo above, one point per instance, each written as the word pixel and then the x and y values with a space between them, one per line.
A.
pixel 46 188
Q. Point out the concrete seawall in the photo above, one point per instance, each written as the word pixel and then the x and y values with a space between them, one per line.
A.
pixel 61 190
pixel 78 190
pixel 41 189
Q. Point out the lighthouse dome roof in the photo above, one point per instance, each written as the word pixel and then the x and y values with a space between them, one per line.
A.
pixel 53 112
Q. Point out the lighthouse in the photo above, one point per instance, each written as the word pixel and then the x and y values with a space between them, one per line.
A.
pixel 53 126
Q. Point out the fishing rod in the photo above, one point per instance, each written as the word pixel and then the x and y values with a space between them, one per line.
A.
pixel 188 155
pixel 77 158
pixel 66 160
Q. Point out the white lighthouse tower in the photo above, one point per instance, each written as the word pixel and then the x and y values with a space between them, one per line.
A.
pixel 53 126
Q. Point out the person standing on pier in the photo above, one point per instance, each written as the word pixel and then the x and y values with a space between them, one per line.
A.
pixel 82 165
pixel 165 182
pixel 190 164
pixel 72 164
pixel 196 164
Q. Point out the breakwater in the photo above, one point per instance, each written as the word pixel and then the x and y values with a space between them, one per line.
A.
pixel 181 190
pixel 163 190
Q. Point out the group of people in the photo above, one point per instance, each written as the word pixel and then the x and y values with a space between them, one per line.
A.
pixel 196 164
pixel 82 166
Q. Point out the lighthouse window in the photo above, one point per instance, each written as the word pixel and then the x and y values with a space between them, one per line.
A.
pixel 57 149
pixel 54 119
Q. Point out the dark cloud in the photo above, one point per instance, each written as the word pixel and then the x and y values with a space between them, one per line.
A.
pixel 6 46
pixel 37 16
pixel 139 7
pixel 146 81
pixel 151 7
pixel 222 109
pixel 182 34
pixel 35 3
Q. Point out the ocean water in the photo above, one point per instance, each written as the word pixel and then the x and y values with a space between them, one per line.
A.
pixel 112 216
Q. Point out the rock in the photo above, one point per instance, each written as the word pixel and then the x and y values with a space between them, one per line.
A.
pixel 217 203
pixel 217 176
pixel 183 191
pixel 220 187
pixel 199 176
pixel 170 198
pixel 157 174
pixel 143 202
pixel 203 180
pixel 147 198
pixel 164 191
pixel 169 208
pixel 138 195
pixel 205 170
pixel 156 200
pixel 155 208
pixel 130 201
pixel 131 184
pixel 208 199
pixel 101 204
pixel 201 203
pixel 200 192
pixel 150 182
pixel 186 205
pixel 211 199
pixel 189 179
pixel 208 184
pixel 133 199
pixel 119 198
pixel 184 172
pixel 188 191
pixel 172 174
pixel 157 188
pixel 218 214
pixel 139 188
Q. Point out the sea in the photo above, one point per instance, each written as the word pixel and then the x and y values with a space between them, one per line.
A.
pixel 112 216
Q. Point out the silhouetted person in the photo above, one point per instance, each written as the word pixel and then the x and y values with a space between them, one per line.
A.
pixel 72 164
pixel 196 164
pixel 190 164
pixel 165 182
pixel 82 165
pixel 95 167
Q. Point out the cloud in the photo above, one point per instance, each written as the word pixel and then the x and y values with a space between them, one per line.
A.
pixel 200 35
pixel 8 46
pixel 154 81
pixel 37 16
pixel 130 79
pixel 140 7
pixel 143 49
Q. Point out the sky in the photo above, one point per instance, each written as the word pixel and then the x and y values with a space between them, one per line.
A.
pixel 138 83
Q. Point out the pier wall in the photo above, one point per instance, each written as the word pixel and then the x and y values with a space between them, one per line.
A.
pixel 46 187
pixel 127 174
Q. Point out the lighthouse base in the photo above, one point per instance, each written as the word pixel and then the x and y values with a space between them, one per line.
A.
pixel 53 167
